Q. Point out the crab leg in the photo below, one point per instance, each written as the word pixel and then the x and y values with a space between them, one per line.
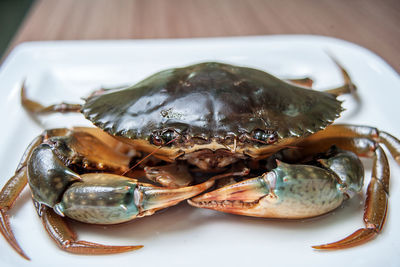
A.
pixel 378 189
pixel 348 87
pixel 306 81
pixel 360 140
pixel 375 206
pixel 9 194
pixel 348 130
pixel 66 238
pixel 37 108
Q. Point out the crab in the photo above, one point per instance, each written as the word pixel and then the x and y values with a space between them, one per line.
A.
pixel 223 137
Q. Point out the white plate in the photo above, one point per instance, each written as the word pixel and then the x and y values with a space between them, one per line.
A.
pixel 182 235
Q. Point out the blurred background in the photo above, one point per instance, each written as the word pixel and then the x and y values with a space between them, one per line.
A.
pixel 369 23
pixel 12 12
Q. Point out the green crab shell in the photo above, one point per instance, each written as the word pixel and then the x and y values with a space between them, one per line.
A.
pixel 212 100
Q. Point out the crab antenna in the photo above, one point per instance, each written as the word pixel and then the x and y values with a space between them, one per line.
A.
pixel 143 159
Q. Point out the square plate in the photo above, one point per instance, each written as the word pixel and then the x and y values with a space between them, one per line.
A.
pixel 183 235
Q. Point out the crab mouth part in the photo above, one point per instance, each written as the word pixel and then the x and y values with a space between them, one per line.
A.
pixel 207 159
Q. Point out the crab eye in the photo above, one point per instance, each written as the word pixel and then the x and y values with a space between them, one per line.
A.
pixel 156 140
pixel 168 136
pixel 268 137
pixel 164 139
pixel 260 135
pixel 272 138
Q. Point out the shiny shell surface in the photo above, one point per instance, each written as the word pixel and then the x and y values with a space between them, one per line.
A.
pixel 212 100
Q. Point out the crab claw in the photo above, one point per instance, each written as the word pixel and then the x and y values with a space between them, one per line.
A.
pixel 288 191
pixel 102 198
pixel 239 198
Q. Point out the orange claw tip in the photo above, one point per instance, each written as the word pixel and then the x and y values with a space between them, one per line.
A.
pixel 359 237
pixel 6 231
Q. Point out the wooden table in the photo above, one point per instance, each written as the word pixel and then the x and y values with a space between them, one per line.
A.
pixel 369 23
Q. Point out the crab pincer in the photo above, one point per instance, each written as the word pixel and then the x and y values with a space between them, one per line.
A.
pixel 287 192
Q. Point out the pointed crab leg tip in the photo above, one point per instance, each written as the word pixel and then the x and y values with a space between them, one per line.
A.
pixel 359 237
pixel 130 248
pixel 322 247
pixel 15 245
pixel 122 249
pixel 23 255
pixel 89 248
pixel 331 246
pixel 136 247
pixel 6 231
